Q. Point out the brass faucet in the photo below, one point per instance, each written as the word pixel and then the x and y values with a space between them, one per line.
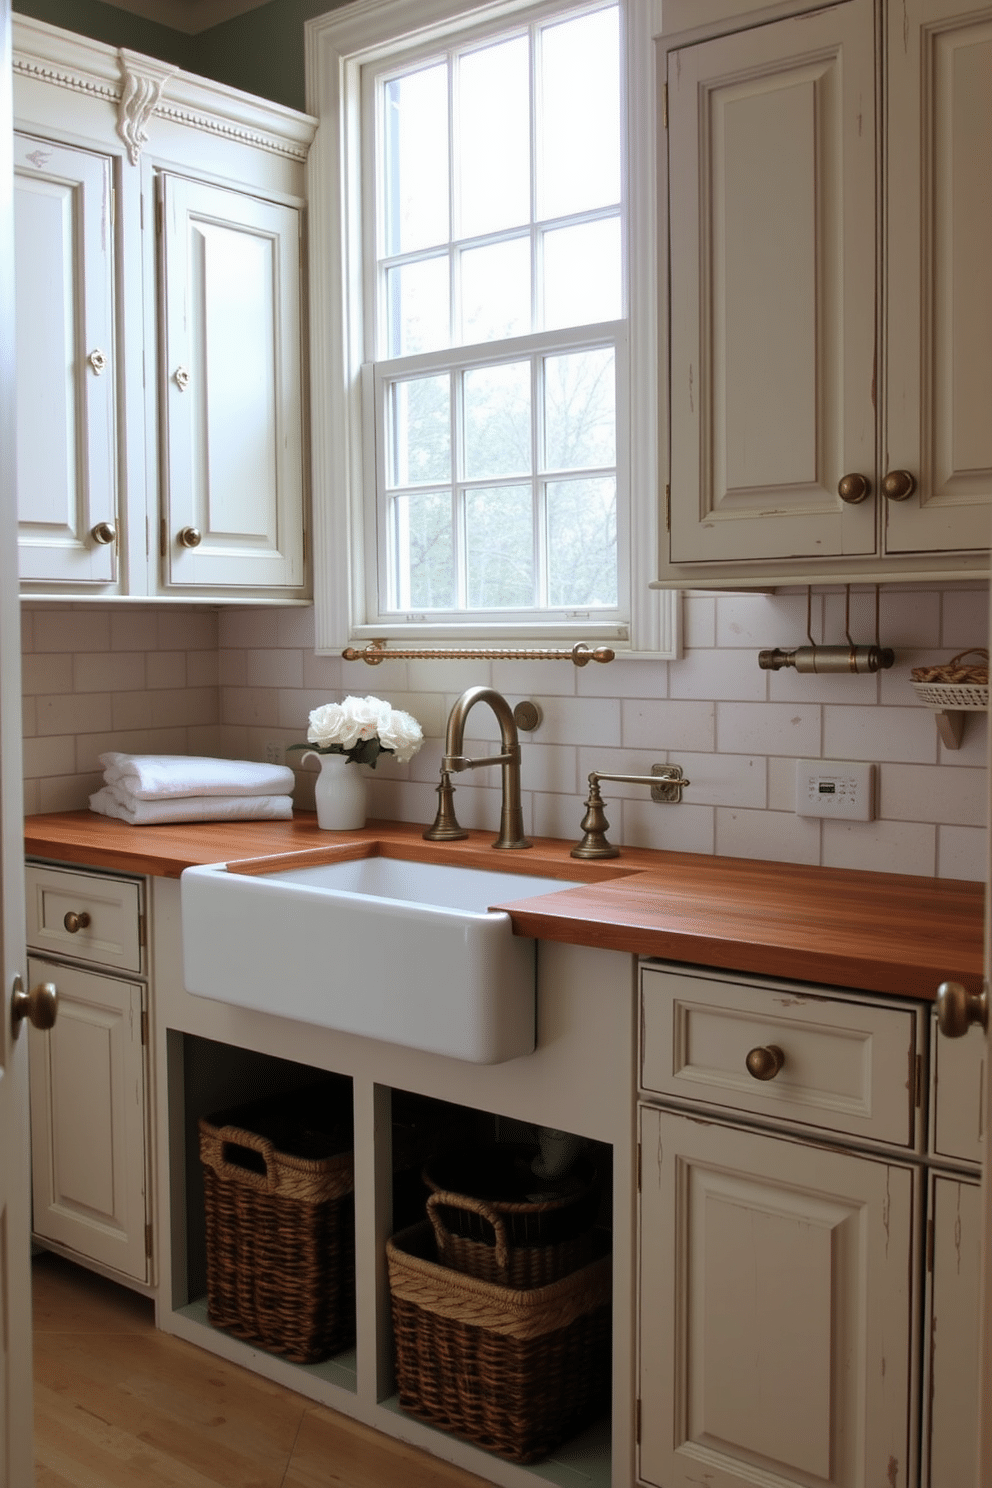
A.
pixel 511 821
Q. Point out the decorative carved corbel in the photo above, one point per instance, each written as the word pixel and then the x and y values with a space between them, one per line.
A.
pixel 143 81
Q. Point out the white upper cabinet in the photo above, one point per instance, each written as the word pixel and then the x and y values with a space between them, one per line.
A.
pixel 829 302
pixel 161 403
pixel 939 312
pixel 66 363
pixel 232 393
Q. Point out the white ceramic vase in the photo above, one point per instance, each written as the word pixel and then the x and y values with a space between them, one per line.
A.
pixel 339 793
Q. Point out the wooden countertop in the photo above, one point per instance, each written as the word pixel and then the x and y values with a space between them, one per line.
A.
pixel 880 932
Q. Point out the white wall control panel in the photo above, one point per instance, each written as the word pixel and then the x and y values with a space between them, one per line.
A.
pixel 835 789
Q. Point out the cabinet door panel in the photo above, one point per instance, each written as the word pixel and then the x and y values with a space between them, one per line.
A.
pixel 771 218
pixel 66 426
pixel 88 1119
pixel 940 288
pixel 775 1311
pixel 232 388
pixel 950 1427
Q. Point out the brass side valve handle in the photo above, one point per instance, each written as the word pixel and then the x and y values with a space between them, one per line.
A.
pixel 76 921
pixel 40 1006
pixel 764 1062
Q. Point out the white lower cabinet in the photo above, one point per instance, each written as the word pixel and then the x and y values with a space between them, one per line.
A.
pixel 810 1237
pixel 775 1301
pixel 90 1148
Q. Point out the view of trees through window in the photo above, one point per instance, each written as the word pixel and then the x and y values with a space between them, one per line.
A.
pixel 498 320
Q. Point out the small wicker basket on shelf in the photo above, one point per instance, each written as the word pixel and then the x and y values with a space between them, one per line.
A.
pixel 956 683
pixel 952 690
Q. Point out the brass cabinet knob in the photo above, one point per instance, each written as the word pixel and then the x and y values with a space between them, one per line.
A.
pixel 899 485
pixel 765 1062
pixel 40 1006
pixel 103 533
pixel 76 921
pixel 853 489
pixel 958 1009
pixel 189 537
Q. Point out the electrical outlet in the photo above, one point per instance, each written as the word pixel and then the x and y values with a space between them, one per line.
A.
pixel 275 753
pixel 835 789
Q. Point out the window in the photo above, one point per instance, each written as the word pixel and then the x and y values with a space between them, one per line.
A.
pixel 472 412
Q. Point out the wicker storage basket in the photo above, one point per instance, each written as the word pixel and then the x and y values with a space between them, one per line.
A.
pixel 494 1218
pixel 515 1371
pixel 278 1181
pixel 496 1259
pixel 956 684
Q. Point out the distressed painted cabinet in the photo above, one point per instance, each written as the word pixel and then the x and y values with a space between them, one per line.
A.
pixel 778 1271
pixel 90 1143
pixel 159 272
pixel 830 310
pixel 954 1229
pixel 67 377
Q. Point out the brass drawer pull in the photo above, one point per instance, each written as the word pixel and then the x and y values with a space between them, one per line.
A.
pixel 76 921
pixel 958 1009
pixel 765 1062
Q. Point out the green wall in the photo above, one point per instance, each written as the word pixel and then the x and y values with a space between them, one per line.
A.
pixel 261 51
pixel 116 27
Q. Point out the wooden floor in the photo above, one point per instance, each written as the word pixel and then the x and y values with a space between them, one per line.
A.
pixel 118 1403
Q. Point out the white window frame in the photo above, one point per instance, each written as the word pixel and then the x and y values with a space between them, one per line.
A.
pixel 338 45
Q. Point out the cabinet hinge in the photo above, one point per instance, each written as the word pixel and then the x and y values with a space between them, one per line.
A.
pixel 637 1423
pixel 668 508
pixel 639 1151
pixel 113 206
pixel 929 1244
pixel 148 1242
pixel 919 1081
pixel 161 538
pixel 144 1029
pixel 664 106
pixel 142 931
pixel 160 217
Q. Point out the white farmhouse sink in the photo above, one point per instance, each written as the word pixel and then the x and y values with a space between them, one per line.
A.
pixel 394 950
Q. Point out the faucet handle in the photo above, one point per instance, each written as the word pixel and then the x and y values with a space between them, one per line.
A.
pixel 594 825
pixel 445 827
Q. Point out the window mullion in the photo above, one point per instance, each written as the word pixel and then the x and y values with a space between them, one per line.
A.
pixel 458 536
pixel 538 487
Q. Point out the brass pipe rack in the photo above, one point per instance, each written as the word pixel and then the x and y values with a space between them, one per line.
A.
pixel 580 654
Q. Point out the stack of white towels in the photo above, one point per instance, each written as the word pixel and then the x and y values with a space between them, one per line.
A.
pixel 145 789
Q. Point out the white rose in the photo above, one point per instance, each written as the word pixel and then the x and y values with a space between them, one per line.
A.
pixel 327 726
pixel 401 733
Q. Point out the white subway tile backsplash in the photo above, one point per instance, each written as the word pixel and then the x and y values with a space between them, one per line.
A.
pixel 880 847
pixel 962 852
pixel 108 671
pixel 930 793
pixel 768 728
pixel 168 668
pixel 779 835
pixel 668 725
pixel 909 618
pixel 898 734
pixel 675 828
pixel 964 619
pixel 176 680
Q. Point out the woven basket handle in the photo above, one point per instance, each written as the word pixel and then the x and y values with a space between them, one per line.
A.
pixel 474 1206
pixel 236 1136
pixel 981 651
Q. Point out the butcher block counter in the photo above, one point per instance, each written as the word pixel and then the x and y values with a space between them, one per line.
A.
pixel 878 932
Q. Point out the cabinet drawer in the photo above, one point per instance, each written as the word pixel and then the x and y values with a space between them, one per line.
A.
pixel 847 1066
pixel 108 912
pixel 958 1095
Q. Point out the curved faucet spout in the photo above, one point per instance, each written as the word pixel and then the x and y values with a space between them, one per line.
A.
pixel 511 824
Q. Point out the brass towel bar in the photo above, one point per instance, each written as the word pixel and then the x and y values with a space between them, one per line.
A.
pixel 376 652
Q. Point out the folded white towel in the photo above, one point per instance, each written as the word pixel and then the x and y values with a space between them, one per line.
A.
pixel 109 802
pixel 161 777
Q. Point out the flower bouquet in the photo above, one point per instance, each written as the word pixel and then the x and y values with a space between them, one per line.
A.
pixel 362 729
